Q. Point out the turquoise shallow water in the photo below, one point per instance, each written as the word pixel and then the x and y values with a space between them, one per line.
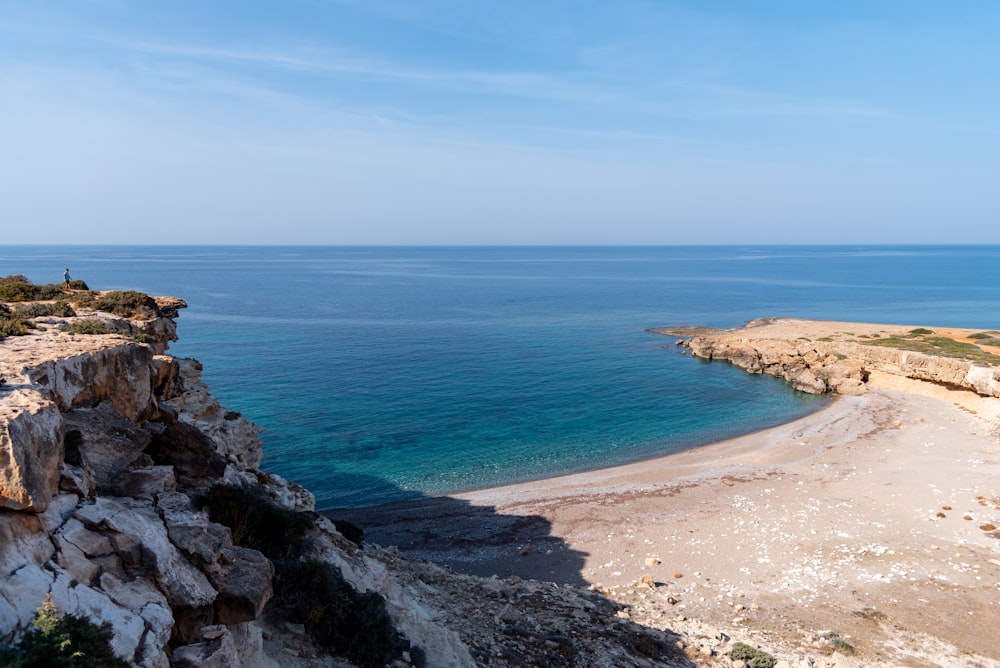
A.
pixel 382 374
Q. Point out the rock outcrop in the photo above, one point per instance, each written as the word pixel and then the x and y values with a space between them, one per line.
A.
pixel 820 357
pixel 105 443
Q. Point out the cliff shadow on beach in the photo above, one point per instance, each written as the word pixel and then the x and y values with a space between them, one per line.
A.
pixel 471 539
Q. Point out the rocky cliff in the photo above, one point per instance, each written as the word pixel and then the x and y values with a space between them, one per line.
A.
pixel 108 446
pixel 822 356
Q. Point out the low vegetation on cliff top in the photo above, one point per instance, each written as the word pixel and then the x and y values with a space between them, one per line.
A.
pixel 33 301
pixel 17 288
pixel 924 341
pixel 12 324
pixel 128 304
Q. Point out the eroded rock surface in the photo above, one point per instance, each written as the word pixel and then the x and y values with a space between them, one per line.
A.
pixel 818 356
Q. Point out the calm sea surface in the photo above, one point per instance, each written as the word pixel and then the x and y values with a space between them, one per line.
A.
pixel 386 373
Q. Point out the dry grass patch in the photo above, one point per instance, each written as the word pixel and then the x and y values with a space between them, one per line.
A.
pixel 924 341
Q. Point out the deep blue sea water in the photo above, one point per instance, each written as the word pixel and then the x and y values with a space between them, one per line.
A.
pixel 385 373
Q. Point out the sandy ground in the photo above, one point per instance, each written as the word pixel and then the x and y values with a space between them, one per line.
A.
pixel 875 518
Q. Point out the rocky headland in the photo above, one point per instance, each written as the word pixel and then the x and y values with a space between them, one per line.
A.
pixel 818 356
pixel 112 452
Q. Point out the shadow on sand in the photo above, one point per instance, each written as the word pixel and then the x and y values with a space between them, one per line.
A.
pixel 477 540
pixel 470 539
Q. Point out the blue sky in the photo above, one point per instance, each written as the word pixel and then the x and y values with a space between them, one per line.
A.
pixel 499 122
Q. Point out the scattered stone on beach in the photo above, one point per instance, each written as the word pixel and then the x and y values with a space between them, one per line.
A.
pixel 646 581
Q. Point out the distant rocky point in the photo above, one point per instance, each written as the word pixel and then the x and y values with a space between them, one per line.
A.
pixel 818 356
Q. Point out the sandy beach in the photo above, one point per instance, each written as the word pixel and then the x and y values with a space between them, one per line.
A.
pixel 874 519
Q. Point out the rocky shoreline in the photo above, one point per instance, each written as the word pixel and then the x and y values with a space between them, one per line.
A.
pixel 819 356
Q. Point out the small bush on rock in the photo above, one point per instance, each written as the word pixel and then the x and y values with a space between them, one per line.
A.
pixel 82 299
pixel 255 522
pixel 754 657
pixel 350 531
pixel 14 278
pixel 88 326
pixel 128 304
pixel 38 310
pixel 340 619
pixel 841 645
pixel 62 641
pixel 13 326
pixel 17 291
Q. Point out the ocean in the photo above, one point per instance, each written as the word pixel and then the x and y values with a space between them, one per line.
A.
pixel 389 373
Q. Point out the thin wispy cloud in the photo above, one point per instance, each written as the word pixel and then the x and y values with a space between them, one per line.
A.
pixel 428 108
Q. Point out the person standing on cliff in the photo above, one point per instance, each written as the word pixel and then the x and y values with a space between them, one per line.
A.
pixel 66 278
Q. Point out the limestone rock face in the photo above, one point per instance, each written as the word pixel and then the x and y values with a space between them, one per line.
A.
pixel 31 434
pixel 190 453
pixel 103 442
pixel 236 438
pixel 182 584
pixel 244 585
pixel 121 374
pixel 837 363
pixel 216 650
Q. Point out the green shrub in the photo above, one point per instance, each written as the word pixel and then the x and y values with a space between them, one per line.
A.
pixel 939 345
pixel 992 341
pixel 13 326
pixel 82 300
pixel 984 335
pixel 255 522
pixel 754 657
pixel 350 531
pixel 88 326
pixel 62 641
pixel 78 285
pixel 920 331
pixel 128 304
pixel 351 624
pixel 14 278
pixel 17 291
pixel 841 645
pixel 37 310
